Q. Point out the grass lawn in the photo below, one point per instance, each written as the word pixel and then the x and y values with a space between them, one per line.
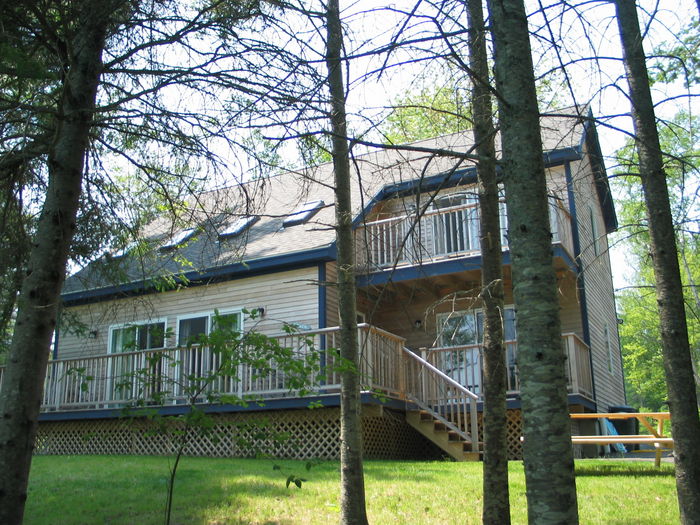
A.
pixel 131 490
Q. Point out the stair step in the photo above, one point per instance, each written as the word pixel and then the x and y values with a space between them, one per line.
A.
pixel 439 433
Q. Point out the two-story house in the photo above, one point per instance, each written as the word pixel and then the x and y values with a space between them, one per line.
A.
pixel 268 246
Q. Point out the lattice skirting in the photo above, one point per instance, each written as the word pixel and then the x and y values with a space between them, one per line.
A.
pixel 514 432
pixel 297 434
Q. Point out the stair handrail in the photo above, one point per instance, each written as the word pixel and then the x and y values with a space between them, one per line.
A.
pixel 472 423
pixel 441 374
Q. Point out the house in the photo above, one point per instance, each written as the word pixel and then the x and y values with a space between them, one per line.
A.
pixel 267 246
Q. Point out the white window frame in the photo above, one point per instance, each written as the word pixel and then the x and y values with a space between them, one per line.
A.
pixel 110 338
pixel 444 315
pixel 209 314
pixel 476 386
pixel 119 326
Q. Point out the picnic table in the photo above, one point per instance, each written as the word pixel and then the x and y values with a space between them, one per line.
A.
pixel 652 421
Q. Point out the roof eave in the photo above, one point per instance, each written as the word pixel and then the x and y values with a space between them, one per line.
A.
pixel 236 270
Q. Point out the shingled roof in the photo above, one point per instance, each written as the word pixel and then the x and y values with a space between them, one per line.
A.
pixel 206 256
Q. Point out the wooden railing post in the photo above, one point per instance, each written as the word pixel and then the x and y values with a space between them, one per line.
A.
pixel 474 427
pixel 572 363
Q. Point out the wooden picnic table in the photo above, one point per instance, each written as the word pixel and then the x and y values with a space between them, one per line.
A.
pixel 652 421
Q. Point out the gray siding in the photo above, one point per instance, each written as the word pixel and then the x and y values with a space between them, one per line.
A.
pixel 290 296
pixel 600 300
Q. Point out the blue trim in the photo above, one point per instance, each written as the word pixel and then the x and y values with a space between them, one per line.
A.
pixel 456 265
pixel 424 270
pixel 238 270
pixel 295 403
pixel 513 403
pixel 293 260
pixel 578 399
pixel 412 187
pixel 458 177
pixel 561 156
pixel 600 178
pixel 580 281
pixel 559 251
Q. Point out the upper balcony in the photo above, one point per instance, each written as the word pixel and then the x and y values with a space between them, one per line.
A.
pixel 440 233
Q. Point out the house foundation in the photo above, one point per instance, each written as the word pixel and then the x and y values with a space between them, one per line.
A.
pixel 292 434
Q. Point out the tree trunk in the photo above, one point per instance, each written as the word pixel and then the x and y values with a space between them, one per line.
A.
pixel 685 423
pixel 547 451
pixel 352 492
pixel 23 383
pixel 496 509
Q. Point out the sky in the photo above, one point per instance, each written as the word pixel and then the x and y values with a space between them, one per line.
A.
pixel 590 31
pixel 572 36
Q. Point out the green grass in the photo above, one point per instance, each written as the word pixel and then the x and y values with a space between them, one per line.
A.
pixel 131 490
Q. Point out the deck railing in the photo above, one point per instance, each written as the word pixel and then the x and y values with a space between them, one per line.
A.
pixel 167 376
pixel 438 234
pixel 464 365
pixel 447 400
pixel 172 376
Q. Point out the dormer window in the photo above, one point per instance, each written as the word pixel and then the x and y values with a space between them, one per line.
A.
pixel 237 226
pixel 177 239
pixel 303 213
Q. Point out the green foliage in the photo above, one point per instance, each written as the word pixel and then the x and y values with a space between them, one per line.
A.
pixel 314 149
pixel 680 59
pixel 639 333
pixel 235 356
pixel 431 112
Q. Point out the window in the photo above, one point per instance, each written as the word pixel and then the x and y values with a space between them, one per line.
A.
pixel 608 347
pixel 177 239
pixel 137 336
pixel 237 226
pixel 303 213
pixel 191 329
pixel 465 329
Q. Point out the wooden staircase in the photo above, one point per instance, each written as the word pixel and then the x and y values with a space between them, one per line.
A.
pixel 454 442
pixel 440 408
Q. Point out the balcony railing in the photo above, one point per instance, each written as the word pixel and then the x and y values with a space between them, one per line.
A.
pixel 409 240
pixel 464 365
pixel 169 376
